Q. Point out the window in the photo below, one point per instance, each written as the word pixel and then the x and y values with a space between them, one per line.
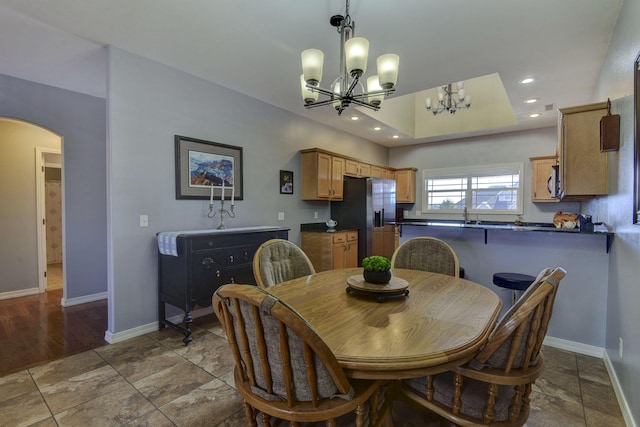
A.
pixel 490 189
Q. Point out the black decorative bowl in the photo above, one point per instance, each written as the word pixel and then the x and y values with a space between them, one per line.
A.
pixel 377 277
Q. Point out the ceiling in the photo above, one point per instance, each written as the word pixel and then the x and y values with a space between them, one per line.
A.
pixel 253 47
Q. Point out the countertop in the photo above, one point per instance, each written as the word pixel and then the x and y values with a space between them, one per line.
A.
pixel 503 226
pixel 321 227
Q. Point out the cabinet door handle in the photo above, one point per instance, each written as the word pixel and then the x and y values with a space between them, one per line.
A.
pixel 207 262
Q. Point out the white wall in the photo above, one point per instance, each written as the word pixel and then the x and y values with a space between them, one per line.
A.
pixel 623 316
pixel 150 103
pixel 80 121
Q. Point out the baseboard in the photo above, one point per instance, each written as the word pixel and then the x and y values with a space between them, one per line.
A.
pixel 19 293
pixel 68 302
pixel 576 347
pixel 113 338
pixel 622 400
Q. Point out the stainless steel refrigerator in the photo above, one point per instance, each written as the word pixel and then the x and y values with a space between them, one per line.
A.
pixel 368 205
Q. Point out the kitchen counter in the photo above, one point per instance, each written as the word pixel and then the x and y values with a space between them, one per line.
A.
pixel 320 227
pixel 503 226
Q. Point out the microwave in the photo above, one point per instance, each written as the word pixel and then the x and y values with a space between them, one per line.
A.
pixel 553 183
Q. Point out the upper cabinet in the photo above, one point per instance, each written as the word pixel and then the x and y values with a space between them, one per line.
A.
pixel 322 176
pixel 356 168
pixel 540 175
pixel 583 168
pixel 406 185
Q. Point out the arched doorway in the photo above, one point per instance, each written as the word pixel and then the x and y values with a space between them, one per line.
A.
pixel 26 151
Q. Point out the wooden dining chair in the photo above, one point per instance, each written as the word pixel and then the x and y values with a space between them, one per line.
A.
pixel 427 254
pixel 279 260
pixel 494 387
pixel 284 370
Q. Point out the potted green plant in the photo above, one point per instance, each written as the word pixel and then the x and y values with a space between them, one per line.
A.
pixel 377 269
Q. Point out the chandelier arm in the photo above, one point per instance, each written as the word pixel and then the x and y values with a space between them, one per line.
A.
pixel 365 104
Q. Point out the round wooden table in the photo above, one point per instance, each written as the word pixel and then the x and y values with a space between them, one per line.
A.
pixel 441 323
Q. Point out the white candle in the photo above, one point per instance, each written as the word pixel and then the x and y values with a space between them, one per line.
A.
pixel 222 192
pixel 211 198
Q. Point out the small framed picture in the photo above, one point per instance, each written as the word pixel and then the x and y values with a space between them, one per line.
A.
pixel 286 182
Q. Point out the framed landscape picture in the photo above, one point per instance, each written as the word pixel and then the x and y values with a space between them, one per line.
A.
pixel 205 169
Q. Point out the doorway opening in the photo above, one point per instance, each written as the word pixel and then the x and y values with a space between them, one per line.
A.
pixel 49 196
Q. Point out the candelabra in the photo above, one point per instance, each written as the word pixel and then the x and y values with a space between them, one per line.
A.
pixel 222 211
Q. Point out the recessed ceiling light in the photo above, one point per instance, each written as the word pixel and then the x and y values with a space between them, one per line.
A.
pixel 534 115
pixel 531 101
pixel 377 128
pixel 526 81
pixel 354 118
pixel 395 136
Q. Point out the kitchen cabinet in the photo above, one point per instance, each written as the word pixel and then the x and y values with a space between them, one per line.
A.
pixel 386 240
pixel 328 251
pixel 406 185
pixel 356 169
pixel 582 167
pixel 540 173
pixel 322 176
pixel 202 262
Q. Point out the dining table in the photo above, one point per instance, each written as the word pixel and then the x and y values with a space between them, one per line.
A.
pixel 438 323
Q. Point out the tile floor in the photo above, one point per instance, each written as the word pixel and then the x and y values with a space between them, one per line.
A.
pixel 154 380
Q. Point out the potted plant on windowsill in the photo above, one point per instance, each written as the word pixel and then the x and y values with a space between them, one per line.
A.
pixel 377 269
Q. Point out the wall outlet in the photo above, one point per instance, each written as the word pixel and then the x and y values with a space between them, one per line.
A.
pixel 315 215
pixel 620 347
pixel 418 213
pixel 280 216
pixel 144 220
pixel 405 213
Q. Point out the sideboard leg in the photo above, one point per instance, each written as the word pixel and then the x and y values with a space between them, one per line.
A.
pixel 187 328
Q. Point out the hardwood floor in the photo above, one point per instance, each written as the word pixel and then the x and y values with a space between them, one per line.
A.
pixel 36 329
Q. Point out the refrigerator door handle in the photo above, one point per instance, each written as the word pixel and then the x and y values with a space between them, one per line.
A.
pixel 377 219
pixel 382 219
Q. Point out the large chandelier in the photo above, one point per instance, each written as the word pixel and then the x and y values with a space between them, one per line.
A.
pixel 449 99
pixel 347 88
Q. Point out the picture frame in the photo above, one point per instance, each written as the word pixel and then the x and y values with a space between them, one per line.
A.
pixel 286 182
pixel 202 167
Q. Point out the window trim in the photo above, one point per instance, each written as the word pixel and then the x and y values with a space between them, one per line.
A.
pixel 470 172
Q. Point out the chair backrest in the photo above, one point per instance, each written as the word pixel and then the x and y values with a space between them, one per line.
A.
pixel 279 260
pixel 516 340
pixel 275 350
pixel 427 254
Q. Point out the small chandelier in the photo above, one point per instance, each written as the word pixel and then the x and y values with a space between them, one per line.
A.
pixel 347 88
pixel 449 100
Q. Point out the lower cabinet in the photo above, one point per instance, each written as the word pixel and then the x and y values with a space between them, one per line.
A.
pixel 328 251
pixel 205 261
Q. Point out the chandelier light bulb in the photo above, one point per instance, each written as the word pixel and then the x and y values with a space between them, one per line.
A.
pixel 357 54
pixel 460 86
pixel 337 103
pixel 427 103
pixel 388 70
pixel 312 62
pixel 373 85
pixel 467 100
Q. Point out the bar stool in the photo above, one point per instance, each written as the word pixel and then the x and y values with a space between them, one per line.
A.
pixel 514 281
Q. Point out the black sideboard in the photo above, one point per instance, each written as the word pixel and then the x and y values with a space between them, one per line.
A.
pixel 206 260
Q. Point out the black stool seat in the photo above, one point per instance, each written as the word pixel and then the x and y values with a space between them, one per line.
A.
pixel 515 281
